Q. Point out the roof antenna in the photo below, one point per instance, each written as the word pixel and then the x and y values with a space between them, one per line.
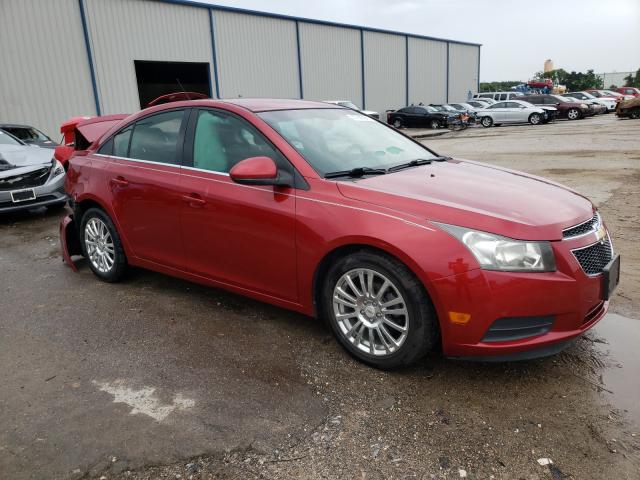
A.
pixel 182 88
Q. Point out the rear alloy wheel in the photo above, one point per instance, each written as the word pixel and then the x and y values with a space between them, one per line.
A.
pixel 535 119
pixel 434 124
pixel 486 121
pixel 101 246
pixel 397 123
pixel 573 114
pixel 378 310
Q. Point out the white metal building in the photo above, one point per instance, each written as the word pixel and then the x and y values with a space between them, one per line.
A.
pixel 66 58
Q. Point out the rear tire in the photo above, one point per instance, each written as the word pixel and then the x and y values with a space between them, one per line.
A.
pixel 101 246
pixel 434 124
pixel 397 123
pixel 378 310
pixel 635 113
pixel 486 122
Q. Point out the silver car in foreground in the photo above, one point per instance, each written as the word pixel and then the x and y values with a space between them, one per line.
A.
pixel 29 176
pixel 512 111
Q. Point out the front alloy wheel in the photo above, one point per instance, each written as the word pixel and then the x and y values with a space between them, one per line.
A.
pixel 370 312
pixel 486 122
pixel 378 309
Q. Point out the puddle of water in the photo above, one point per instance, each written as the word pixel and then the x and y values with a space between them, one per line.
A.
pixel 622 377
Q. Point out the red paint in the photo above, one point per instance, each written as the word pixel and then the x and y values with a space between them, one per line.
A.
pixel 256 168
pixel 268 241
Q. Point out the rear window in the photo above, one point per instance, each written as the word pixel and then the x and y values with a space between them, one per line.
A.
pixel 155 138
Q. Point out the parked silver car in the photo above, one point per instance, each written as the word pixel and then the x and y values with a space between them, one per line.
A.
pixel 29 176
pixel 512 111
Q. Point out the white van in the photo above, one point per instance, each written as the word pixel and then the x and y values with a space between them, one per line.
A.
pixel 499 96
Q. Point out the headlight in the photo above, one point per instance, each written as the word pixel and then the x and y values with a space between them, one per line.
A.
pixel 584 105
pixel 494 252
pixel 57 169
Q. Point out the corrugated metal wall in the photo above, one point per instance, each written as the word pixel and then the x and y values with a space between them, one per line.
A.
pixel 427 71
pixel 257 56
pixel 331 64
pixel 44 73
pixel 122 31
pixel 384 71
pixel 463 71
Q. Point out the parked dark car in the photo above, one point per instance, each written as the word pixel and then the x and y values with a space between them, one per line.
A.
pixel 566 108
pixel 29 135
pixel 421 116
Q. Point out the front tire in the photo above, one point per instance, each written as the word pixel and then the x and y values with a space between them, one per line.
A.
pixel 101 246
pixel 486 122
pixel 535 119
pixel 378 310
pixel 635 113
pixel 573 114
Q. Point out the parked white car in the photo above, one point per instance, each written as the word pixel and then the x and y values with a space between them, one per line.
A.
pixel 609 103
pixel 512 111
pixel 498 96
pixel 352 106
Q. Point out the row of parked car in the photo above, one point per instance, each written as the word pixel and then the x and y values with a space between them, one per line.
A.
pixel 496 108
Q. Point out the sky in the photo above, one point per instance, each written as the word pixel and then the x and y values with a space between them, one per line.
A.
pixel 516 36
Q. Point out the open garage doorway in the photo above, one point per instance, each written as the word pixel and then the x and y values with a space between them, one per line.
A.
pixel 160 78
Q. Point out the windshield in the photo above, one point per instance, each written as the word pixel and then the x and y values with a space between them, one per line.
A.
pixel 6 139
pixel 27 134
pixel 332 140
pixel 438 108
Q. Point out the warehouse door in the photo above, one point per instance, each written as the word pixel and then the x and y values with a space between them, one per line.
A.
pixel 160 78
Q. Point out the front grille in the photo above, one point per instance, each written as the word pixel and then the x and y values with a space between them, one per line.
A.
pixel 31 179
pixel 590 225
pixel 595 257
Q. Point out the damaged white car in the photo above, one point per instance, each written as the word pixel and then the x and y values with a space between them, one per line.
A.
pixel 29 176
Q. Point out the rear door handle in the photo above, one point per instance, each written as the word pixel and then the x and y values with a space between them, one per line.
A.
pixel 194 200
pixel 119 181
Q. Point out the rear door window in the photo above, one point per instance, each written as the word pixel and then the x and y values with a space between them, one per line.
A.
pixel 155 138
pixel 121 142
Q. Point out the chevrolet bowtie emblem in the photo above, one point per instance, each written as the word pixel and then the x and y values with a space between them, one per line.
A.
pixel 600 233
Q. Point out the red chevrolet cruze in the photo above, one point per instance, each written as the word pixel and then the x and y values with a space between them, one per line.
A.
pixel 323 210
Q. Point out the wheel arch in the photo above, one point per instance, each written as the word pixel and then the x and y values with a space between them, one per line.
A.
pixel 346 249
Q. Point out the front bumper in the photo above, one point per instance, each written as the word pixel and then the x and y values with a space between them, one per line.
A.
pixel 552 307
pixel 51 193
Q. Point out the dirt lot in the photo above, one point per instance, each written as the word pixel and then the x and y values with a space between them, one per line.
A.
pixel 159 378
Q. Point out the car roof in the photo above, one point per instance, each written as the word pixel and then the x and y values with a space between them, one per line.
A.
pixel 14 125
pixel 267 104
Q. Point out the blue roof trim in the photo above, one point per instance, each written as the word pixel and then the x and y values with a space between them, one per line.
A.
pixel 299 59
pixel 310 20
pixel 213 50
pixel 362 67
pixel 92 70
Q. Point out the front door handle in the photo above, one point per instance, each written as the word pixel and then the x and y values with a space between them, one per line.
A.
pixel 194 200
pixel 119 181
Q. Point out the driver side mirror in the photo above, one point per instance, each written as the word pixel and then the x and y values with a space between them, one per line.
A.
pixel 259 171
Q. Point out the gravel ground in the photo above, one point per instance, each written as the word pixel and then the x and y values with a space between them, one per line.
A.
pixel 252 391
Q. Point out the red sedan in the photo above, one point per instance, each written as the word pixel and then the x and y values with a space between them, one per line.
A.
pixel 323 210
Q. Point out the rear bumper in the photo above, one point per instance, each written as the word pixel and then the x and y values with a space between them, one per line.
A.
pixel 519 315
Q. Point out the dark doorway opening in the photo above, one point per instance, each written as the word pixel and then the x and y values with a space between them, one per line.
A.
pixel 160 78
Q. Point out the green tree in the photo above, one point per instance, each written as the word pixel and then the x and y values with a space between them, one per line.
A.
pixel 498 86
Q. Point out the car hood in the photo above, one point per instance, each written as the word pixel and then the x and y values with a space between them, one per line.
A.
pixel 19 156
pixel 477 196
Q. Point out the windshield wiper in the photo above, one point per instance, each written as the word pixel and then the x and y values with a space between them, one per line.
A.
pixel 356 172
pixel 416 162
